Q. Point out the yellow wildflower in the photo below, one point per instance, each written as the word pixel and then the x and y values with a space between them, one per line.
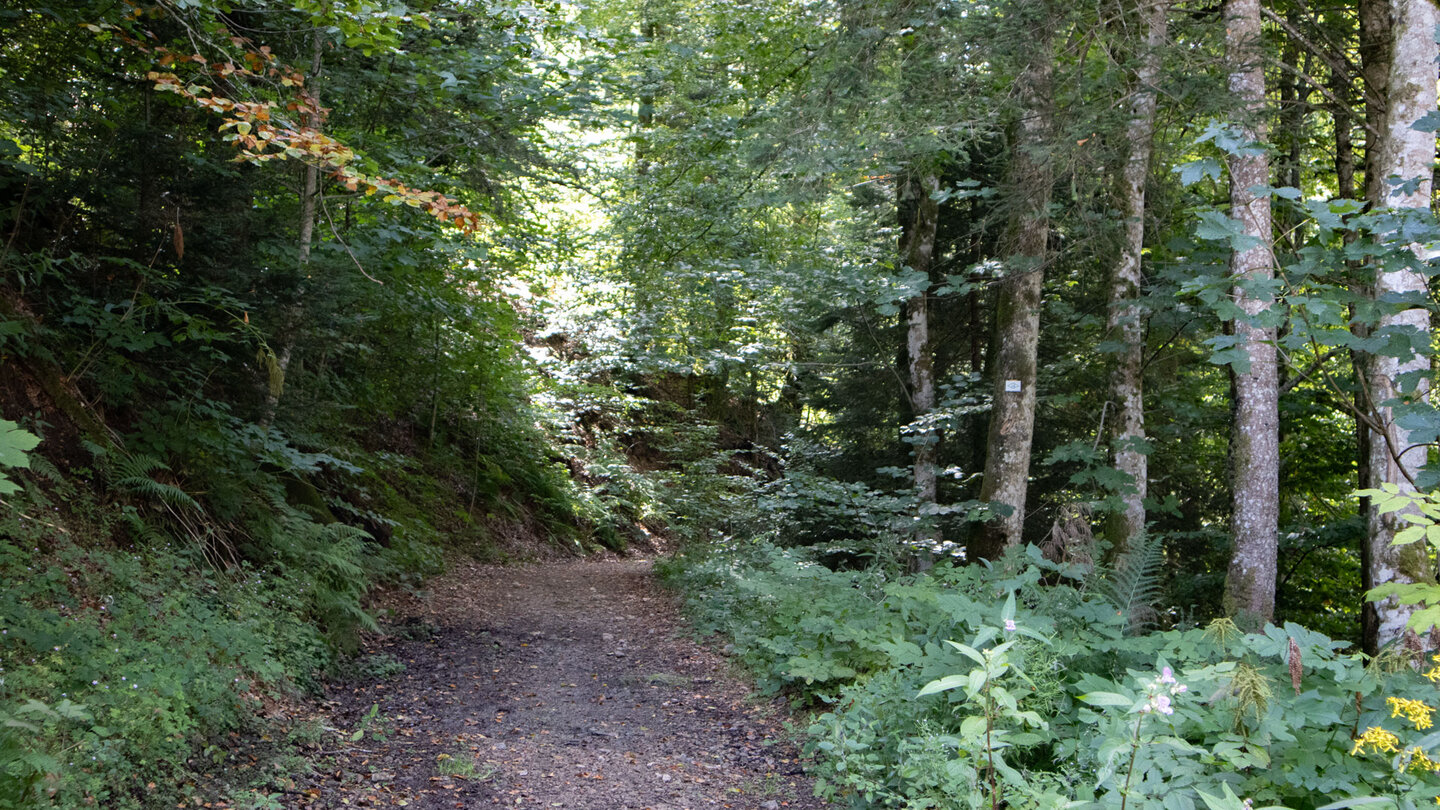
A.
pixel 1418 760
pixel 1434 675
pixel 1415 711
pixel 1378 739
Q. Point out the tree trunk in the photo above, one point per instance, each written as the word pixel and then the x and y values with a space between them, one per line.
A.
pixel 292 314
pixel 1375 75
pixel 1017 315
pixel 1404 155
pixel 1255 444
pixel 919 214
pixel 1343 120
pixel 1126 318
pixel 1293 110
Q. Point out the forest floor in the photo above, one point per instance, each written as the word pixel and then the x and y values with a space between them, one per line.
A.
pixel 558 685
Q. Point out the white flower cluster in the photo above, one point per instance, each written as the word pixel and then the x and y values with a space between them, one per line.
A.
pixel 1161 690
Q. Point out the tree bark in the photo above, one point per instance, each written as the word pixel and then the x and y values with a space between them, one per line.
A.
pixel 1255 444
pixel 1126 318
pixel 1375 75
pixel 1344 121
pixel 1017 316
pixel 292 314
pixel 919 214
pixel 1404 157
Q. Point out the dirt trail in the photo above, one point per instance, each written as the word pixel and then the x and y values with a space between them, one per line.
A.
pixel 567 685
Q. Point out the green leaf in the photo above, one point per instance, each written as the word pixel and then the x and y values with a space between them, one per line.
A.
pixel 976 681
pixel 970 652
pixel 943 684
pixel 1422 620
pixel 14 444
pixel 1429 122
pixel 1214 225
pixel 1107 699
pixel 973 727
pixel 1027 632
pixel 1410 535
pixel 1197 170
pixel 1358 801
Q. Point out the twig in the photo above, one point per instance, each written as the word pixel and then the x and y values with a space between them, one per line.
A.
pixel 324 206
pixel 1304 376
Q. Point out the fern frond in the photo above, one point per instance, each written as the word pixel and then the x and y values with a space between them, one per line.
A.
pixel 144 534
pixel 132 473
pixel 1133 587
pixel 41 466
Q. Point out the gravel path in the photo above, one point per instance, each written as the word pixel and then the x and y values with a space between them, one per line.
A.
pixel 569 685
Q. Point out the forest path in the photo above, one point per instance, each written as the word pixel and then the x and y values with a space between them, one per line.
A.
pixel 567 685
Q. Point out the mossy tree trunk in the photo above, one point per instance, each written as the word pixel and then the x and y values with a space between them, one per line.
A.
pixel 1017 316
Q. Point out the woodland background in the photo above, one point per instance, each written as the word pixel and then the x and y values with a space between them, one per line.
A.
pixel 1094 337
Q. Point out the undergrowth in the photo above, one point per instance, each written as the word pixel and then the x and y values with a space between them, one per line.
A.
pixel 145 629
pixel 145 654
pixel 1029 685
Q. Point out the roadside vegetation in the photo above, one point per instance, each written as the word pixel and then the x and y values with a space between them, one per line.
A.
pixel 1039 393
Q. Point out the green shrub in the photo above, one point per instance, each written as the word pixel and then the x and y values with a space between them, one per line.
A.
pixel 1026 686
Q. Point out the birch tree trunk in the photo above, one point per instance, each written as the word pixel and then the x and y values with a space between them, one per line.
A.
pixel 1126 318
pixel 1255 442
pixel 919 214
pixel 1403 168
pixel 1017 315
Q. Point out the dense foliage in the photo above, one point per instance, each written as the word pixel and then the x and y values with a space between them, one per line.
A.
pixel 262 382
pixel 1118 314
pixel 1034 684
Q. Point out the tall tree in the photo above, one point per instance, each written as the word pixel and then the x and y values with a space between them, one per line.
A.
pixel 1126 318
pixel 919 215
pixel 1255 442
pixel 1017 316
pixel 1402 165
